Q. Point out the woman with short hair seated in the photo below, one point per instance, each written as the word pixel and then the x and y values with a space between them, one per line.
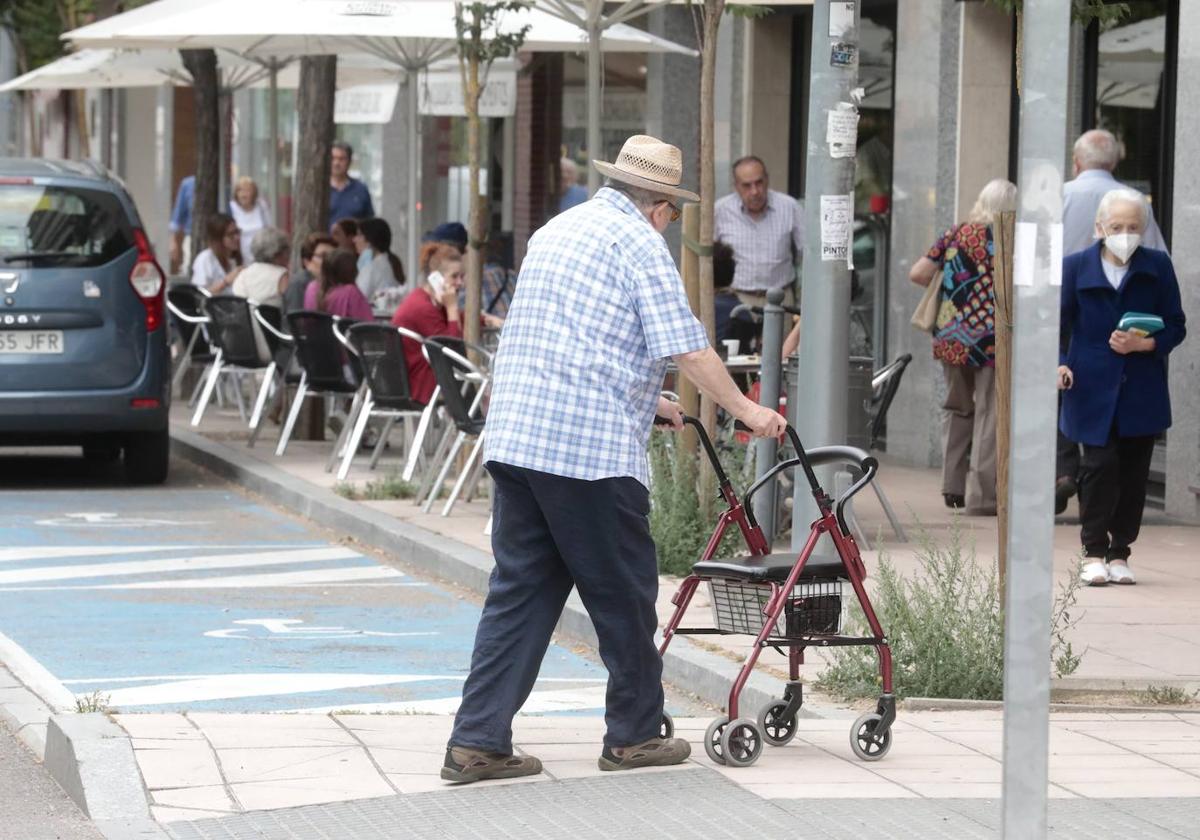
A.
pixel 335 292
pixel 431 309
pixel 1122 315
pixel 265 279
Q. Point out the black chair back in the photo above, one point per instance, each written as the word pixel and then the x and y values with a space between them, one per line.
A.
pixel 324 359
pixel 891 374
pixel 380 350
pixel 189 300
pixel 458 405
pixel 232 330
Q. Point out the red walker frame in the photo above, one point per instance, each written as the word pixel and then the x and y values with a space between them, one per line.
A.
pixel 738 741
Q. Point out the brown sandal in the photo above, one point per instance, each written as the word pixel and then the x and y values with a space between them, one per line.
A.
pixel 657 752
pixel 464 764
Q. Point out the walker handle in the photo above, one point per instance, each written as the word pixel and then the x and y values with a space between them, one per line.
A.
pixel 722 478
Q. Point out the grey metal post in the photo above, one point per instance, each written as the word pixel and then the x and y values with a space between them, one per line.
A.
pixel 767 449
pixel 273 135
pixel 1037 273
pixel 595 69
pixel 413 214
pixel 829 214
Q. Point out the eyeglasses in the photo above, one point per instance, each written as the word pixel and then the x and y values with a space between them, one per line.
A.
pixel 675 211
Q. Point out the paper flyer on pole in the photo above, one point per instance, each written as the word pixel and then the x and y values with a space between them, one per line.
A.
pixel 836 221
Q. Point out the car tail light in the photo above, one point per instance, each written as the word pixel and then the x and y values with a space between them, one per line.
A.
pixel 148 281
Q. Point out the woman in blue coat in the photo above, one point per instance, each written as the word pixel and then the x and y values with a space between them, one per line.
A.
pixel 1116 401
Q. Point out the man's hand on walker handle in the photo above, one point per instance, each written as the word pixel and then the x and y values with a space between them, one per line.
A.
pixel 761 421
pixel 668 415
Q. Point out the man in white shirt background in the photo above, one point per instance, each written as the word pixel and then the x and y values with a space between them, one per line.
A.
pixel 764 228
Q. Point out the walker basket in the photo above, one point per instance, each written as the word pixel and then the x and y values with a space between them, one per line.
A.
pixel 813 609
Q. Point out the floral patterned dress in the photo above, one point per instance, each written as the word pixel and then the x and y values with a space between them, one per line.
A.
pixel 965 330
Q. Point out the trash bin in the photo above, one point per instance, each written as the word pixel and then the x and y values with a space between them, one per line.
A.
pixel 858 398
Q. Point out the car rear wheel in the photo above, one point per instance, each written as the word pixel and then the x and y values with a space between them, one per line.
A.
pixel 146 457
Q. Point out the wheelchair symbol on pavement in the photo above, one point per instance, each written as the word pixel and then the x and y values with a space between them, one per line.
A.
pixel 289 628
pixel 103 520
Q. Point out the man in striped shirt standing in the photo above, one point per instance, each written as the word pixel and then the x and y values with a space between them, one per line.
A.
pixel 765 228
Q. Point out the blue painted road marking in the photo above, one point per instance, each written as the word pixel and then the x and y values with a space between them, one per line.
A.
pixel 199 599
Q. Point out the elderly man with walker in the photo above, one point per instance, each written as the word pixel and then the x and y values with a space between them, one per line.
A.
pixel 599 309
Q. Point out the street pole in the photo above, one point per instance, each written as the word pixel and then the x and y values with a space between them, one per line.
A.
pixel 595 69
pixel 1037 275
pixel 413 238
pixel 766 449
pixel 820 397
pixel 273 135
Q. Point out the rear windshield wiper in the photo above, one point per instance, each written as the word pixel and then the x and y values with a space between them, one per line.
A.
pixel 41 255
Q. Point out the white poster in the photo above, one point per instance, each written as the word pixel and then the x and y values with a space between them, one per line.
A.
pixel 837 218
pixel 841 18
pixel 841 131
pixel 364 104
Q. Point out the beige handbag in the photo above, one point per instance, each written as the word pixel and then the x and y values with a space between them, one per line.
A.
pixel 925 315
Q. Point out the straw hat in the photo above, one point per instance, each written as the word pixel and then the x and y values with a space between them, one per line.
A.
pixel 650 164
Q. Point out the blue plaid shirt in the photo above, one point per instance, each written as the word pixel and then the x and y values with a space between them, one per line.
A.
pixel 599 308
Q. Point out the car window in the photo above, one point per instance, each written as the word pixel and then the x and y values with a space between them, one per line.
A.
pixel 48 225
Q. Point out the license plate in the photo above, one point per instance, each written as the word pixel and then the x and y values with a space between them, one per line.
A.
pixel 31 341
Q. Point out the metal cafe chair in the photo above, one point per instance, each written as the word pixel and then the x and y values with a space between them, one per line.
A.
pixel 387 394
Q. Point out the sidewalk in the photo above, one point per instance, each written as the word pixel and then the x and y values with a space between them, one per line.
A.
pixel 1134 637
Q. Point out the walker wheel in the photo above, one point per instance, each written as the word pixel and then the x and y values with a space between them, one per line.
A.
pixel 742 743
pixel 868 744
pixel 666 728
pixel 777 730
pixel 712 739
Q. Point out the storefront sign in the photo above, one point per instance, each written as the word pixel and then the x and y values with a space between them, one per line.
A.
pixel 441 92
pixel 365 104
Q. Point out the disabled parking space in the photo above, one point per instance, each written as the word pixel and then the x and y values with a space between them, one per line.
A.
pixel 193 597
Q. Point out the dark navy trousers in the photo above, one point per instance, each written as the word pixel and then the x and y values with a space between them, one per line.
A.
pixel 550 533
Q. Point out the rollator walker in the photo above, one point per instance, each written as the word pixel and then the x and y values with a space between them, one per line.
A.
pixel 785 600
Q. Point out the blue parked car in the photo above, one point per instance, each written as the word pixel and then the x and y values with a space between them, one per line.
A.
pixel 84 357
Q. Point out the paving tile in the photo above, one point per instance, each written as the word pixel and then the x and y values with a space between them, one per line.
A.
pixel 345 764
pixel 1073 776
pixel 192 765
pixel 951 773
pixel 164 726
pixel 408 761
pixel 174 815
pixel 256 796
pixel 273 731
pixel 1134 788
pixel 211 797
pixel 828 790
pixel 960 790
pixel 432 782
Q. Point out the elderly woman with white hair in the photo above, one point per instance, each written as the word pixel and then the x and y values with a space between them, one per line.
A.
pixel 964 341
pixel 265 279
pixel 1114 376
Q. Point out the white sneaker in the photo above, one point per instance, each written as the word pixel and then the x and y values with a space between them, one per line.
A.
pixel 1094 573
pixel 1120 573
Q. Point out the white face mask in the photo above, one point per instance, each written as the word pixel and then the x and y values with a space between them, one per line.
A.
pixel 437 282
pixel 1122 245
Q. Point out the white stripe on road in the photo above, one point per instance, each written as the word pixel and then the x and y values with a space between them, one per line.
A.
pixel 315 577
pixel 175 564
pixel 539 702
pixel 11 555
pixel 233 686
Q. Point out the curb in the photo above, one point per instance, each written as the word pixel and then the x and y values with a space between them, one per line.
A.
pixel 91 758
pixel 29 696
pixel 943 704
pixel 703 674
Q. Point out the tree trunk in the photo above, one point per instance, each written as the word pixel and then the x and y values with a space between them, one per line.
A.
pixel 713 9
pixel 1003 237
pixel 202 65
pixel 314 108
pixel 318 77
pixel 477 217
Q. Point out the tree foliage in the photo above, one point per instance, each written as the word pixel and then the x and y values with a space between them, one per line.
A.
pixel 1082 11
pixel 37 25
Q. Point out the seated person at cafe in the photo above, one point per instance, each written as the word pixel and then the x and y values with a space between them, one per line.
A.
pixel 432 309
pixel 334 291
pixel 724 299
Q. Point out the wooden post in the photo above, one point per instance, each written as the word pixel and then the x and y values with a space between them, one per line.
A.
pixel 689 268
pixel 1002 282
